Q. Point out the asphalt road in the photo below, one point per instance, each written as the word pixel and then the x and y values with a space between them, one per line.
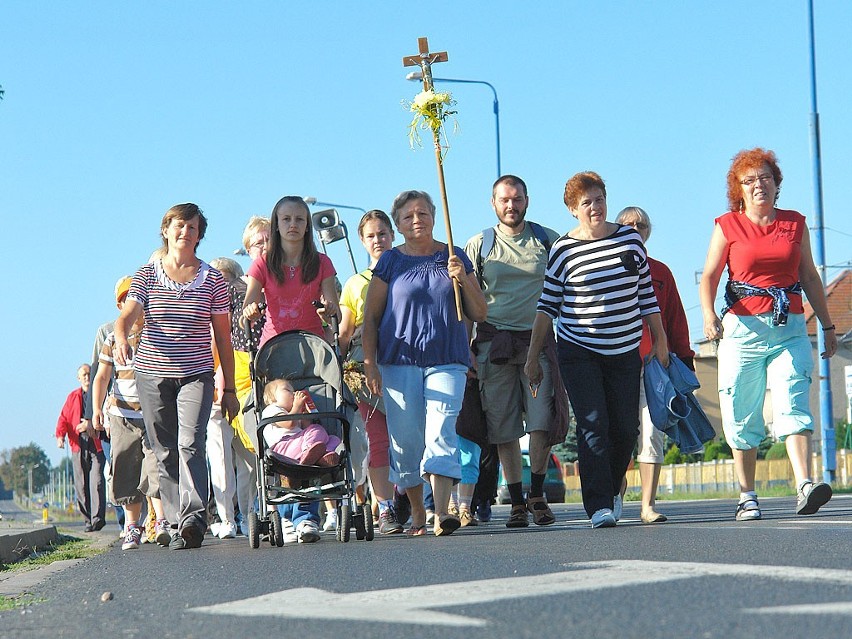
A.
pixel 700 575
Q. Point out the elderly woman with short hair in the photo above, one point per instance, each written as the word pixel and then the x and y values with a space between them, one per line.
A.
pixel 651 439
pixel 416 355
pixel 597 287
pixel 255 243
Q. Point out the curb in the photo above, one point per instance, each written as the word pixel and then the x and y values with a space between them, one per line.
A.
pixel 15 583
pixel 17 546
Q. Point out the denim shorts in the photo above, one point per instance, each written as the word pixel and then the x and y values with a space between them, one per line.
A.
pixel 422 405
pixel 754 355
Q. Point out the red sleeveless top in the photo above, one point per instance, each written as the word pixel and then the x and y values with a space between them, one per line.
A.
pixel 764 256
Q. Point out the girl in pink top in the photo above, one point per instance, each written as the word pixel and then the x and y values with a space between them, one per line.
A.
pixel 293 275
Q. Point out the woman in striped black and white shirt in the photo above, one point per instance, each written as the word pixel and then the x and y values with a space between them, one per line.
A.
pixel 598 288
pixel 181 297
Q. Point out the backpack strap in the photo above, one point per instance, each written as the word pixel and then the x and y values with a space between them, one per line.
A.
pixel 484 251
pixel 488 245
pixel 540 235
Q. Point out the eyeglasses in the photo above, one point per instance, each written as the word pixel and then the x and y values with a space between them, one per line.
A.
pixel 639 226
pixel 260 244
pixel 764 179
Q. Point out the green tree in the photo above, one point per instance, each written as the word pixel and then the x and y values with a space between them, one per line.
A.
pixel 764 446
pixel 16 463
pixel 778 450
pixel 843 435
pixel 567 450
pixel 66 466
pixel 717 449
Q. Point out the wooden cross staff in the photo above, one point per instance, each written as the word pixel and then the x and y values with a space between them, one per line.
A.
pixel 424 60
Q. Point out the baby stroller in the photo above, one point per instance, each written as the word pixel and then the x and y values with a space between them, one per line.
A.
pixel 313 365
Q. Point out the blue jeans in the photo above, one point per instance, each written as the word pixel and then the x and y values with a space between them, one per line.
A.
pixel 299 512
pixel 422 405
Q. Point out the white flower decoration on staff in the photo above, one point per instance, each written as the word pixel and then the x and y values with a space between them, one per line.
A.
pixel 431 111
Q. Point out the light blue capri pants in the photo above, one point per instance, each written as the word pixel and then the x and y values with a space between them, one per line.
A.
pixel 422 405
pixel 752 353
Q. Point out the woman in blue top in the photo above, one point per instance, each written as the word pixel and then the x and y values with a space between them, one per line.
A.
pixel 416 355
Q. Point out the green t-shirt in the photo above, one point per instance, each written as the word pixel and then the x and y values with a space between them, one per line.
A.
pixel 512 276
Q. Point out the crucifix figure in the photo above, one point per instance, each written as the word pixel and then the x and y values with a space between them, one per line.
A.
pixel 424 59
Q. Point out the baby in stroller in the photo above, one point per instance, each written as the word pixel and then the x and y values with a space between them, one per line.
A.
pixel 296 441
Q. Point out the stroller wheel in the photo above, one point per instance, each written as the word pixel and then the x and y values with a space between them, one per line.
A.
pixel 358 522
pixel 367 515
pixel 277 536
pixel 344 523
pixel 253 530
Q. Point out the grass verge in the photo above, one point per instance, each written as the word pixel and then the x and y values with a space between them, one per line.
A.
pixel 12 603
pixel 65 547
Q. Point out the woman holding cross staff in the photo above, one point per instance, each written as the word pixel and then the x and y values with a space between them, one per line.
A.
pixel 416 355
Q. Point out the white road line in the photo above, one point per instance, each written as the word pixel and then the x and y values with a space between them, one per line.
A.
pixel 426 604
pixel 832 608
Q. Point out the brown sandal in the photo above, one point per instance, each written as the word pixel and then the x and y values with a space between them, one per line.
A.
pixel 518 517
pixel 542 515
pixel 447 525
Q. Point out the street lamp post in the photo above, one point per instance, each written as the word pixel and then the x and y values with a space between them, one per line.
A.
pixel 417 76
pixel 828 443
pixel 30 468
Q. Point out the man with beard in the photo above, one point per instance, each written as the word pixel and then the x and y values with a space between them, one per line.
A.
pixel 510 261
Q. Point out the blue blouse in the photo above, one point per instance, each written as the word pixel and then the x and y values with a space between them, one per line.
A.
pixel 419 326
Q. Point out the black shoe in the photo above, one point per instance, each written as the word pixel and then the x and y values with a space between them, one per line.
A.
pixel 402 507
pixel 192 536
pixel 483 511
pixel 97 524
pixel 88 527
pixel 177 542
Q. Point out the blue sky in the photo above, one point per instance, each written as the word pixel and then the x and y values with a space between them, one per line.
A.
pixel 115 111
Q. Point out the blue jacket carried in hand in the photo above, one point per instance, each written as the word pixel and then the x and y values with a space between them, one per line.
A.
pixel 673 407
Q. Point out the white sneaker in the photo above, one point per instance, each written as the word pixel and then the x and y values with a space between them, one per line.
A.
pixel 227 530
pixel 330 520
pixel 290 536
pixel 214 528
pixel 811 497
pixel 603 518
pixel 307 532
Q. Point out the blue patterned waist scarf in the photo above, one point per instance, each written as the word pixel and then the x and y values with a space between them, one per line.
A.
pixel 735 291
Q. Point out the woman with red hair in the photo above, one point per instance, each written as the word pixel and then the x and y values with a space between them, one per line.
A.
pixel 763 334
pixel 598 289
